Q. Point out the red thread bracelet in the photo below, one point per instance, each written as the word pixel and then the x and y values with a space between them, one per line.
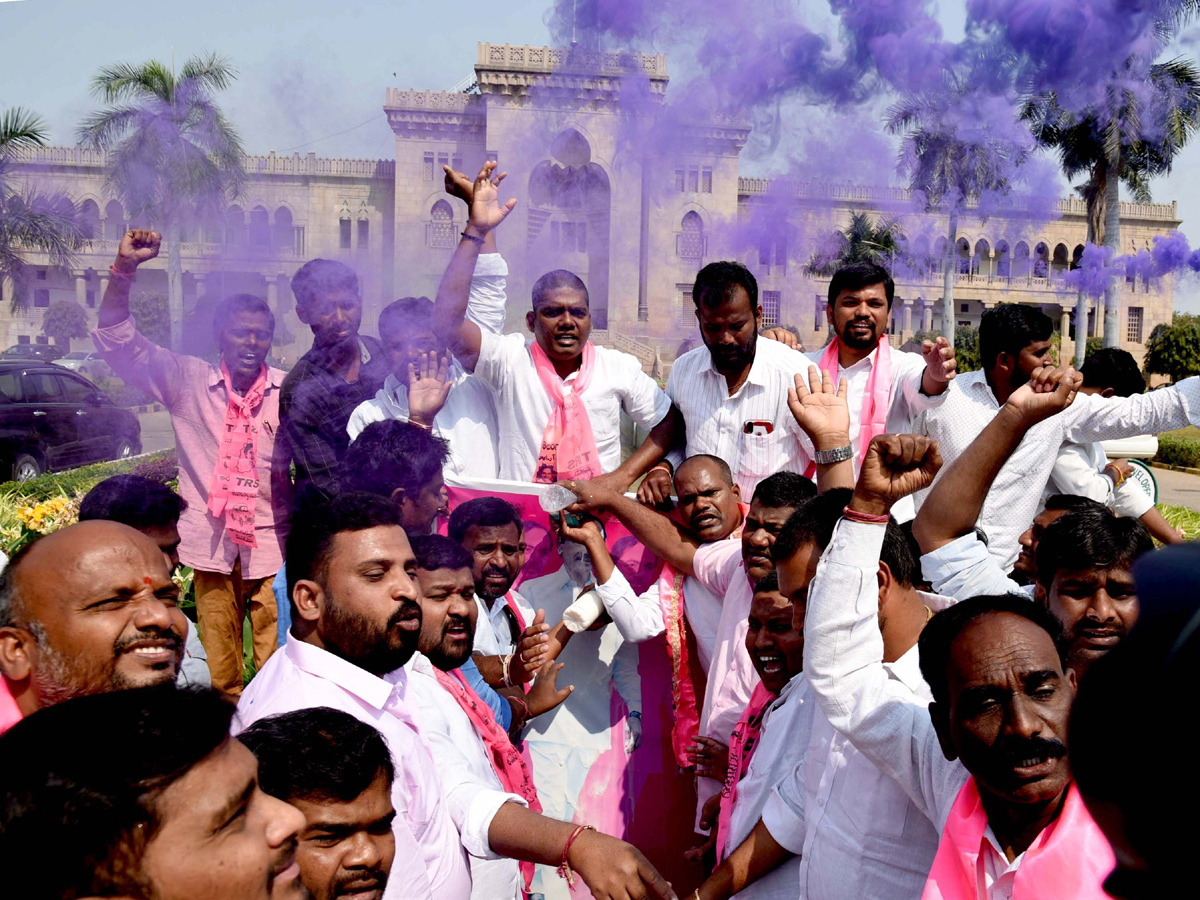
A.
pixel 865 518
pixel 564 868
pixel 117 272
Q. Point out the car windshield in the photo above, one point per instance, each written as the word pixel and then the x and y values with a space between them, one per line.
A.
pixel 77 354
pixel 17 350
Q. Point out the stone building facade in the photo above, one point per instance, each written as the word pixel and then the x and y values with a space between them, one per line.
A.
pixel 606 190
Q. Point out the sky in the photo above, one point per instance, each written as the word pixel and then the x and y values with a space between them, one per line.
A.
pixel 312 74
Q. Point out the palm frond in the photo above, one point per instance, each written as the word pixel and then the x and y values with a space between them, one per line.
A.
pixel 124 81
pixel 20 128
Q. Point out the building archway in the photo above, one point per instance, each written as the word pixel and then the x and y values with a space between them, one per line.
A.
pixel 114 221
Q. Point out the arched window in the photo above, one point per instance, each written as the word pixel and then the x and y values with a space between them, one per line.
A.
pixel 938 257
pixel 441 231
pixel 285 238
pixel 89 220
pixel 963 255
pixel 1060 262
pixel 1003 259
pixel 260 228
pixel 690 241
pixel 235 226
pixel 114 221
pixel 1041 261
pixel 1021 260
pixel 1077 256
pixel 981 262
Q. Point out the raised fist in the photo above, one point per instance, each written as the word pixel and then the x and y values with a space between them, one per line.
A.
pixel 895 466
pixel 1048 392
pixel 138 245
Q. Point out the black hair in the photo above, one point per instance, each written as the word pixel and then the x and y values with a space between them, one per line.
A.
pixel 484 512
pixel 722 466
pixel 392 454
pixel 553 281
pixel 768 584
pixel 941 631
pixel 319 276
pixel 1087 539
pixel 231 306
pixel 857 275
pixel 134 501
pixel 784 490
pixel 434 551
pixel 1072 502
pixel 318 520
pixel 317 754
pixel 716 283
pixel 1113 368
pixel 408 314
pixel 813 523
pixel 97 806
pixel 914 551
pixel 1010 328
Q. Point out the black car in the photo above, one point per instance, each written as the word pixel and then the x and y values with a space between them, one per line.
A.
pixel 51 418
pixel 41 352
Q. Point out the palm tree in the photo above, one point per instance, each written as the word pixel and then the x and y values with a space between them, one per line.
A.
pixel 860 240
pixel 30 220
pixel 174 158
pixel 951 156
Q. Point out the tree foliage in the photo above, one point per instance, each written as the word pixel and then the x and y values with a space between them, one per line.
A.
pixel 1174 350
pixel 65 319
pixel 150 313
pixel 861 240
pixel 966 345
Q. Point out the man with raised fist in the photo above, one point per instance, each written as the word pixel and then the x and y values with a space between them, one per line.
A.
pixel 232 472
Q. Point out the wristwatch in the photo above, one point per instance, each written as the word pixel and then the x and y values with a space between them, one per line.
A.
pixel 836 455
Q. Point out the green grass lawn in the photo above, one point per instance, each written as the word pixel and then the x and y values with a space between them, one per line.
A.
pixel 1181 517
pixel 1190 432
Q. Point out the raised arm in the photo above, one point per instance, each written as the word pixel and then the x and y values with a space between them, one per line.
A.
pixel 843 646
pixel 953 506
pixel 450 320
pixel 665 539
pixel 1107 418
pixel 824 416
pixel 137 246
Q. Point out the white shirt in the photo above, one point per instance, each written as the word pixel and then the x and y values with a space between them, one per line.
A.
pixel 1013 500
pixel 715 421
pixel 781 745
pixel 857 833
pixel 965 568
pixel 999 875
pixel 594 662
pixel 493 637
pixel 1079 469
pixel 468 419
pixel 640 617
pixel 473 791
pixel 303 676
pixel 523 407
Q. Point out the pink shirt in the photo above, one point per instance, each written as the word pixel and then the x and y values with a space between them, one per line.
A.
pixel 10 714
pixel 430 860
pixel 195 393
pixel 731 676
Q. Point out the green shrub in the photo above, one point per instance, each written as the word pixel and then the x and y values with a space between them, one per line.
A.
pixel 82 480
pixel 1178 451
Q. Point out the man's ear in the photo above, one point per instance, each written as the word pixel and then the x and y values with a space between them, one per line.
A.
pixel 302 313
pixel 398 496
pixel 829 314
pixel 530 318
pixel 18 653
pixel 1040 595
pixel 940 714
pixel 737 492
pixel 885 579
pixel 1006 361
pixel 309 598
pixel 1107 392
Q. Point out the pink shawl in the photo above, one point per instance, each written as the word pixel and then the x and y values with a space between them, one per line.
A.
pixel 1069 860
pixel 568 445
pixel 741 748
pixel 233 490
pixel 877 398
pixel 10 713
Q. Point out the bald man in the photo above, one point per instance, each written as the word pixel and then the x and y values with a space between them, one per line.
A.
pixel 86 610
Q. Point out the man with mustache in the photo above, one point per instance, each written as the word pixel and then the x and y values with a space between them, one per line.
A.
pixel 1014 341
pixel 488 787
pixel 88 609
pixel 342 370
pixel 161 803
pixel 559 398
pixel 1083 559
pixel 985 762
pixel 356 620
pixel 231 474
pixel 338 772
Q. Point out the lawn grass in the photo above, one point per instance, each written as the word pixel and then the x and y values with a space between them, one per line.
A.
pixel 1182 517
pixel 1190 432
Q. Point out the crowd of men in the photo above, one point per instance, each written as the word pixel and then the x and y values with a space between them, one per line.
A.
pixel 920 642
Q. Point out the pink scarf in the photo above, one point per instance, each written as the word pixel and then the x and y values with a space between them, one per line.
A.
pixel 508 764
pixel 1069 860
pixel 512 605
pixel 10 713
pixel 234 486
pixel 684 702
pixel 568 445
pixel 877 398
pixel 742 743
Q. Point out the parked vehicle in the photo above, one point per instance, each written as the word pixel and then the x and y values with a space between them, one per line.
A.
pixel 87 363
pixel 51 418
pixel 42 352
pixel 1144 446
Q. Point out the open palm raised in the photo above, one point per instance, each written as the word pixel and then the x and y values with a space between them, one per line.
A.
pixel 486 212
pixel 821 412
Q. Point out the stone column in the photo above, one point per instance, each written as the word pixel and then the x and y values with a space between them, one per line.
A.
pixel 102 277
pixel 273 294
pixel 927 317
pixel 1064 330
pixel 80 288
pixel 198 281
pixel 907 307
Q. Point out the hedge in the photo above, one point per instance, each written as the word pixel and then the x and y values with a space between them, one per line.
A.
pixel 1178 451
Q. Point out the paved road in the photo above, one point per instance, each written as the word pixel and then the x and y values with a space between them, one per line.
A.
pixel 156 432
